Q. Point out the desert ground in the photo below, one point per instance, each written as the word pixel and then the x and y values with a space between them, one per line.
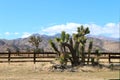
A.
pixel 31 71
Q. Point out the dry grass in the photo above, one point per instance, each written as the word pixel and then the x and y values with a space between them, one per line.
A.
pixel 29 71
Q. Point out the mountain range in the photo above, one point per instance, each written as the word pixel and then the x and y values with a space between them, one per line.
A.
pixel 104 44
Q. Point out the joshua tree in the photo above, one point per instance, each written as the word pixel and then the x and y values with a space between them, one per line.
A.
pixel 75 44
pixel 35 40
pixel 62 54
pixel 80 40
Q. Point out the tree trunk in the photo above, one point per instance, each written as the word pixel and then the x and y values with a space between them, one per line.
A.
pixel 75 58
pixel 83 55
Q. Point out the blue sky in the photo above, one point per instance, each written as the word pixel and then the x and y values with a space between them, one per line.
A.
pixel 21 18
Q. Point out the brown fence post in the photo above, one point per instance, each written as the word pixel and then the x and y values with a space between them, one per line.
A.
pixel 34 57
pixel 9 55
pixel 109 58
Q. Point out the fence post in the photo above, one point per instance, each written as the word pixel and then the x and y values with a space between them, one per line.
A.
pixel 109 58
pixel 9 55
pixel 34 57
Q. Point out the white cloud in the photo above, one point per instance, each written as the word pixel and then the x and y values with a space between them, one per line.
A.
pixel 7 33
pixel 69 27
pixel 112 29
pixel 109 29
pixel 110 24
pixel 26 34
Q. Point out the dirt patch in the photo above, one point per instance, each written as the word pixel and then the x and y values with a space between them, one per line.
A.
pixel 40 71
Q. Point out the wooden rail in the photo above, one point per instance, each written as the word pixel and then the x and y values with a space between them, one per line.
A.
pixel 39 57
pixel 26 57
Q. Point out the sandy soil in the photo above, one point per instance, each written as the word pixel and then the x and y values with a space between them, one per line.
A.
pixel 30 71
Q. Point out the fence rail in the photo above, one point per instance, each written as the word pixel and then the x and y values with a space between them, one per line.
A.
pixel 48 56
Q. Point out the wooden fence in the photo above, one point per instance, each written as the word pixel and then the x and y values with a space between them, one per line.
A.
pixel 49 56
pixel 27 57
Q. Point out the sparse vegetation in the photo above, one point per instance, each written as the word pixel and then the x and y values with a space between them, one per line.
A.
pixel 25 71
pixel 75 44
pixel 69 48
pixel 97 56
pixel 35 40
pixel 8 50
pixel 89 51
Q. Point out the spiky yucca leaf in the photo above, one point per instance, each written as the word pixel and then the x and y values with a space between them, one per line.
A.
pixel 53 46
pixel 67 36
pixel 58 39
pixel 87 31
pixel 63 36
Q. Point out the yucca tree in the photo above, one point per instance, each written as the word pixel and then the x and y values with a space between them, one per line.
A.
pixel 35 41
pixel 82 40
pixel 63 39
pixel 75 44
pixel 62 53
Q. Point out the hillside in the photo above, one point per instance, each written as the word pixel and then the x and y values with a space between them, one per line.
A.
pixel 22 44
